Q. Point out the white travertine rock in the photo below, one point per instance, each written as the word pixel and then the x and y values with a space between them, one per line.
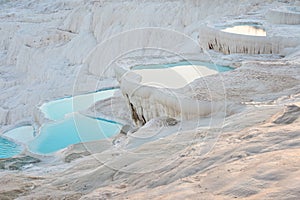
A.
pixel 252 154
pixel 284 15
pixel 43 43
pixel 148 102
pixel 229 43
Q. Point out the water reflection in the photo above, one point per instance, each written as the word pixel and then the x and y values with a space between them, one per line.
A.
pixel 176 75
pixel 246 30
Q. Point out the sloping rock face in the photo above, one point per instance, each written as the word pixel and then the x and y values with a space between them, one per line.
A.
pixel 211 38
pixel 253 82
pixel 290 114
pixel 18 163
pixel 253 158
pixel 285 15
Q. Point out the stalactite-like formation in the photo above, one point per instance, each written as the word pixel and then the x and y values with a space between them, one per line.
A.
pixel 147 102
pixel 214 39
pixel 288 15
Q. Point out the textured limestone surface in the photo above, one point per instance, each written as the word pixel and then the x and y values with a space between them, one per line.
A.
pixel 248 148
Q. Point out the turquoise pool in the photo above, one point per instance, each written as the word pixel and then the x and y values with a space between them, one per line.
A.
pixel 57 109
pixel 71 130
pixel 22 134
pixel 67 127
pixel 219 68
pixel 176 75
pixel 8 148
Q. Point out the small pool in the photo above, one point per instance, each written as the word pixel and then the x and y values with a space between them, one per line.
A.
pixel 253 30
pixel 176 75
pixel 8 148
pixel 68 126
pixel 73 129
pixel 57 109
pixel 22 134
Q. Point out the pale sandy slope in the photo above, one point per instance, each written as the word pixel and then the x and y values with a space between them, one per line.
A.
pixel 256 157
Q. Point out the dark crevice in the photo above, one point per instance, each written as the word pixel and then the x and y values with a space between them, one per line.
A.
pixel 134 114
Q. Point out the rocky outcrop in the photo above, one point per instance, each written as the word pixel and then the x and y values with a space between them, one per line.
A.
pixel 215 94
pixel 147 102
pixel 18 163
pixel 290 114
pixel 284 15
pixel 211 38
